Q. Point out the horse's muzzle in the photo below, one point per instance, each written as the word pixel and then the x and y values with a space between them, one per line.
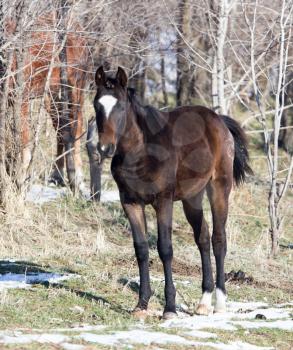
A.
pixel 106 151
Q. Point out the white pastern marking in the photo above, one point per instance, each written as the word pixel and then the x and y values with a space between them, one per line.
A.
pixel 220 300
pixel 108 102
pixel 206 299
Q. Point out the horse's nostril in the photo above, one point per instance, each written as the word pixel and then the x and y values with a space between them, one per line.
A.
pixel 111 149
pixel 106 150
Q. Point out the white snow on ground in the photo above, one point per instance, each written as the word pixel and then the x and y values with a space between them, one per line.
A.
pixel 29 338
pixel 188 329
pixel 215 321
pixel 40 194
pixel 15 280
pixel 230 319
pixel 235 306
pixel 135 337
pixel 69 346
pixel 110 196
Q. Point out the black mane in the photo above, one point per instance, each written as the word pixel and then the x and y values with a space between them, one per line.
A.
pixel 148 116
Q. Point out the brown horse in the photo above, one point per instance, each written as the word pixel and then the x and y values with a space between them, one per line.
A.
pixel 162 157
pixel 41 47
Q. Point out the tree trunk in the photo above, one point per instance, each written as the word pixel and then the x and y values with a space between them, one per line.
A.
pixel 183 71
pixel 163 79
pixel 218 84
pixel 286 134
pixel 67 124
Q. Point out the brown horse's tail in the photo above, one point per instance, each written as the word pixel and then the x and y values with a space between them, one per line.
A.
pixel 241 167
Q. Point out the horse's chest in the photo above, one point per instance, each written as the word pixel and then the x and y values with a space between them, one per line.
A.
pixel 143 180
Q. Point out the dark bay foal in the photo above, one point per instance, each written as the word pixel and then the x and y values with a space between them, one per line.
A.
pixel 162 157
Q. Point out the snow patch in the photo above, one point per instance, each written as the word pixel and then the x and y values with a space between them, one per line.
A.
pixel 135 337
pixel 239 314
pixel 23 281
pixel 40 194
pixel 29 338
pixel 215 321
pixel 70 346
pixel 110 196
pixel 236 306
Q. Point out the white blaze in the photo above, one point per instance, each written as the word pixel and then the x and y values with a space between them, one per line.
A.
pixel 108 102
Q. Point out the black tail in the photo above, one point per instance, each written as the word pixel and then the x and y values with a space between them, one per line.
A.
pixel 240 166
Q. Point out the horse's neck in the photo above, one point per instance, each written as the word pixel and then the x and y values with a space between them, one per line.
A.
pixel 132 141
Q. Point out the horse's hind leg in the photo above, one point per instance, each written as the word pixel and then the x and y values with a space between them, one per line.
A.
pixel 218 192
pixel 164 211
pixel 194 214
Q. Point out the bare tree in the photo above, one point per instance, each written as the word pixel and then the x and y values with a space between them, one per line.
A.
pixel 183 67
pixel 283 38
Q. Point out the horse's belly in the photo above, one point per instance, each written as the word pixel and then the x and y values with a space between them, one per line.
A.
pixel 194 171
pixel 188 188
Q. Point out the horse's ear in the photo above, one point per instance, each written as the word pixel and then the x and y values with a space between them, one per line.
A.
pixel 100 76
pixel 121 77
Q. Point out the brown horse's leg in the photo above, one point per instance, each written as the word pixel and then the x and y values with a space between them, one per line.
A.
pixel 164 212
pixel 52 106
pixel 136 216
pixel 194 214
pixel 218 192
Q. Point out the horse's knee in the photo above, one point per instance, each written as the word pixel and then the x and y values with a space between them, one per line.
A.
pixel 219 243
pixel 202 235
pixel 165 250
pixel 141 251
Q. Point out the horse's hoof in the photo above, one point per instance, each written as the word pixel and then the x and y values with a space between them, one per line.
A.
pixel 169 315
pixel 203 310
pixel 139 313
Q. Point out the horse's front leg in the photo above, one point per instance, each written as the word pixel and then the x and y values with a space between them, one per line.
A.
pixel 136 215
pixel 164 212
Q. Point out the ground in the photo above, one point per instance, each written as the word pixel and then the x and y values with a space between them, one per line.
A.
pixel 69 275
